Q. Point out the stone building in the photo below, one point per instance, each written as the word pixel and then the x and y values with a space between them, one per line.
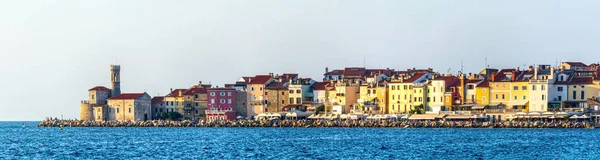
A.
pixel 158 106
pixel 93 108
pixel 277 96
pixel 129 107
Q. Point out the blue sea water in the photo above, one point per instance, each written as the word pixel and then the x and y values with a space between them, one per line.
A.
pixel 31 142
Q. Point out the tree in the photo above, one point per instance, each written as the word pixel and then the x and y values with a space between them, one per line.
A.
pixel 174 116
pixel 320 109
pixel 164 115
pixel 420 109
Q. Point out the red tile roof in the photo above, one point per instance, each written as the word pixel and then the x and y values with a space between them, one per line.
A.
pixel 175 93
pixel 524 76
pixel 320 85
pixel 246 79
pixel 277 85
pixel 259 79
pixel 194 90
pixel 501 76
pixel 448 80
pixel 99 88
pixel 576 80
pixel 335 72
pixel 485 83
pixel 354 71
pixel 288 76
pixel 576 64
pixel 157 99
pixel 127 96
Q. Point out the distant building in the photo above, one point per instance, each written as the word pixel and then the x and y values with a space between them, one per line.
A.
pixel 93 108
pixel 158 106
pixel 130 107
pixel 221 104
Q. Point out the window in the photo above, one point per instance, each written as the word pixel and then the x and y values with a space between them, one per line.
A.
pixel 195 96
pixel 298 101
pixel 503 85
pixel 298 91
pixel 117 109
pixel 368 91
pixel 282 101
pixel 483 98
pixel 212 93
pixel 260 88
pixel 574 95
pixel 543 97
pixel 447 99
pixel 222 93
pixel 92 97
pixel 222 101
pixel 533 87
pixel 524 88
pixel 582 94
pixel 228 101
pixel 405 97
pixel 428 99
pixel 212 101
pixel 560 88
pixel 496 96
pixel 582 86
pixel 441 99
pixel 196 111
pixel 433 98
pixel 161 110
pixel 229 94
pixel 230 109
pixel 543 87
pixel 266 102
pixel 516 88
pixel 515 97
pixel 484 90
pixel 574 86
pixel 196 104
pixel 433 89
pixel 374 92
pixel 496 85
pixel 171 102
pixel 470 86
pixel 291 100
pixel 559 98
pixel 405 87
pixel 266 93
pixel 291 91
pixel 502 96
pixel 108 110
pixel 252 88
pixel 524 97
pixel 282 93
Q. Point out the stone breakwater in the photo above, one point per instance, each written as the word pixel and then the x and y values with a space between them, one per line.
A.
pixel 322 124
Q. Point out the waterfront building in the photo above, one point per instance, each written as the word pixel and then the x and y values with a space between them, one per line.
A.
pixel 439 90
pixel 520 92
pixel 129 107
pixel 319 92
pixel 276 96
pixel 403 96
pixel 574 66
pixel 500 86
pixel 95 107
pixel 300 90
pixel 242 101
pixel 221 104
pixel 256 86
pixel 482 93
pixel 540 88
pixel 174 101
pixel 382 90
pixel 157 106
pixel 195 101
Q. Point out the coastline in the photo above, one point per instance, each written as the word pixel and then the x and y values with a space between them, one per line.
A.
pixel 320 124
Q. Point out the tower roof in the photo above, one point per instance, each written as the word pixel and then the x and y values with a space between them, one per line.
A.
pixel 99 88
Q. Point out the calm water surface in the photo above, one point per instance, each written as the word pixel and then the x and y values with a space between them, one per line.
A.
pixel 32 142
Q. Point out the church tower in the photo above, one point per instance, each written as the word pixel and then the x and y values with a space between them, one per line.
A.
pixel 115 80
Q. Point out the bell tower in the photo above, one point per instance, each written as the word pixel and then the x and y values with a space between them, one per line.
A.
pixel 115 80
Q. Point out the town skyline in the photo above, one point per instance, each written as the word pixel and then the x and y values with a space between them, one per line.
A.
pixel 60 49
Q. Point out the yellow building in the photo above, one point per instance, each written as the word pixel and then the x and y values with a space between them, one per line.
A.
pixel 403 97
pixel 519 100
pixel 482 93
pixel 500 86
pixel 174 101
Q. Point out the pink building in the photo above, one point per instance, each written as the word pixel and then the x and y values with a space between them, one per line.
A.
pixel 221 104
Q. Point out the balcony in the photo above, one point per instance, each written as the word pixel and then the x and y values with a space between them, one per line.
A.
pixel 217 111
pixel 493 110
pixel 538 81
pixel 85 102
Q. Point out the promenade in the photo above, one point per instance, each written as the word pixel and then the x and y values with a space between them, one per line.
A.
pixel 325 124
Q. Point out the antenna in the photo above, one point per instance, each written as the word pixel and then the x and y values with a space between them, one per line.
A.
pixel 461 66
pixel 486 65
pixel 365 61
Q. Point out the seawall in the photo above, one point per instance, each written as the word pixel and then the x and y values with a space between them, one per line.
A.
pixel 322 124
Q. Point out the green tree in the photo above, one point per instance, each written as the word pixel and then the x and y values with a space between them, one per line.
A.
pixel 420 109
pixel 320 109
pixel 164 115
pixel 174 116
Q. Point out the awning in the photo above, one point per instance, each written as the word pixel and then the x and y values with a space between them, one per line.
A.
pixel 517 103
pixel 422 117
pixel 478 116
pixel 466 105
pixel 459 116
pixel 440 116
pixel 478 106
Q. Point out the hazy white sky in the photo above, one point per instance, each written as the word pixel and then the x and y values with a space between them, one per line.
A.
pixel 53 51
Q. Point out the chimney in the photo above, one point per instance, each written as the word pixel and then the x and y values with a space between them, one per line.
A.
pixel 180 93
pixel 551 73
pixel 271 74
pixel 462 88
pixel 513 75
pixel 200 83
pixel 249 79
pixel 171 90
pixel 493 76
pixel 535 73
pixel 326 69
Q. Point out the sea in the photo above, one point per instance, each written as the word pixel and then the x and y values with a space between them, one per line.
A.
pixel 24 140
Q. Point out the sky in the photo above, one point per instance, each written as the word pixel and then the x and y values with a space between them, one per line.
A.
pixel 52 51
